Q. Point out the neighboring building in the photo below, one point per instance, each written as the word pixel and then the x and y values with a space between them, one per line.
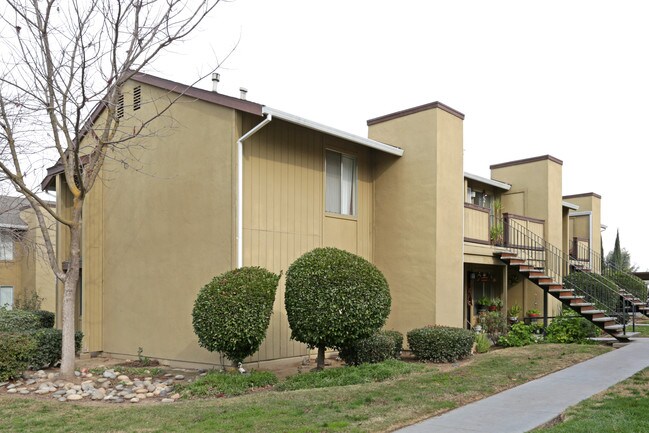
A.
pixel 195 207
pixel 24 269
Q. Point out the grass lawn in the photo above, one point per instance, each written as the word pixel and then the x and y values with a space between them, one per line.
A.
pixel 643 330
pixel 371 407
pixel 621 408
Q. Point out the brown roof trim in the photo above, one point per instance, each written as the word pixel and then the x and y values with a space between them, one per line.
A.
pixel 194 92
pixel 527 161
pixel 642 275
pixel 46 184
pixel 585 194
pixel 414 110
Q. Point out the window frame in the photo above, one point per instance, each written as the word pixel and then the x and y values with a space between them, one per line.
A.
pixel 11 305
pixel 3 239
pixel 354 158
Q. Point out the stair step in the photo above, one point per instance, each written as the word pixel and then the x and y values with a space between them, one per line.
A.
pixel 570 297
pixel 583 304
pixel 613 327
pixel 626 336
pixel 562 289
pixel 603 319
pixel 593 312
pixel 539 277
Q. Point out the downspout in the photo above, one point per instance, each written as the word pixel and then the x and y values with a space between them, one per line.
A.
pixel 240 141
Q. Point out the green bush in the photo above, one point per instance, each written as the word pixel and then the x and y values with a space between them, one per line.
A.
pixel 47 351
pixel 370 350
pixel 494 324
pixel 46 318
pixel 520 335
pixel 482 343
pixel 569 327
pixel 441 343
pixel 19 320
pixel 232 312
pixel 397 337
pixel 16 350
pixel 334 298
pixel 630 283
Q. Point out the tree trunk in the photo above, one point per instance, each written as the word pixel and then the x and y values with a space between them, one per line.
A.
pixel 69 294
pixel 320 360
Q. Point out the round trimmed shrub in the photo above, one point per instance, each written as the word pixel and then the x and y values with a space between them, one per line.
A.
pixel 334 298
pixel 232 312
pixel 16 351
pixel 370 350
pixel 441 343
pixel 19 320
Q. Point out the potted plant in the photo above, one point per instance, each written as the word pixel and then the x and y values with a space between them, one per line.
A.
pixel 483 304
pixel 533 314
pixel 496 233
pixel 513 313
pixel 495 304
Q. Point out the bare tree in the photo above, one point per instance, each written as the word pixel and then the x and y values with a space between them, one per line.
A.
pixel 63 63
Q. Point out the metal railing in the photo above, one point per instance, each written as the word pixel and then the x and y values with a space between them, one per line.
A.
pixel 622 278
pixel 558 265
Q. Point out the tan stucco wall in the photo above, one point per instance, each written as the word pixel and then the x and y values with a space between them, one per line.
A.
pixel 418 218
pixel 166 220
pixel 536 193
pixel 593 203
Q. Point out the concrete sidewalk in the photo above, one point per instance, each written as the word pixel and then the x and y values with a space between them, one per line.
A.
pixel 521 409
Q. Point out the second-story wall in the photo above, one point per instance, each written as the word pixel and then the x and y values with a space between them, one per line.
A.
pixel 536 192
pixel 418 215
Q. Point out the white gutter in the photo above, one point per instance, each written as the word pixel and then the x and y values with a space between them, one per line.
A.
pixel 569 205
pixel 13 226
pixel 368 142
pixel 240 141
pixel 491 182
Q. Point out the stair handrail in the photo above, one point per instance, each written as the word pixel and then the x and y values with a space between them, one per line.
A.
pixel 599 265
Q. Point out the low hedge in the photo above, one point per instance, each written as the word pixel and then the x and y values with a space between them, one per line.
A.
pixel 370 350
pixel 16 350
pixel 19 320
pixel 441 343
pixel 47 351
pixel 397 338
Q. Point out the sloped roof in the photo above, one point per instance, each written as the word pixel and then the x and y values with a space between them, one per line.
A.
pixel 10 208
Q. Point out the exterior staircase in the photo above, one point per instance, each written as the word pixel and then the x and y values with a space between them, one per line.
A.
pixel 597 299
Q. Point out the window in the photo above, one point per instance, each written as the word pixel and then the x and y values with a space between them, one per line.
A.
pixel 341 188
pixel 6 246
pixel 6 297
pixel 479 198
pixel 137 98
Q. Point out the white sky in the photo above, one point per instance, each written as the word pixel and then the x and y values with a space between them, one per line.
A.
pixel 566 78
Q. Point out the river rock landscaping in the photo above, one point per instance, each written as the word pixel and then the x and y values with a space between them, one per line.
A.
pixel 109 386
